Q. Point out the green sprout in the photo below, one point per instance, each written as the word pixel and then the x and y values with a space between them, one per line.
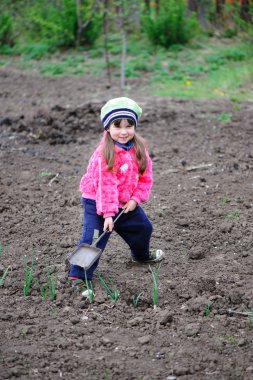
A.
pixel 112 293
pixel 136 300
pixel 42 288
pixel 89 287
pixel 207 308
pixel 52 284
pixel 155 286
pixel 28 276
pixel 4 275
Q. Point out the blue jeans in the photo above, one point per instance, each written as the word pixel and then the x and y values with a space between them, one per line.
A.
pixel 134 227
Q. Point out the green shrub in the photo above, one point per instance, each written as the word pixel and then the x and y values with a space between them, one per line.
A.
pixel 6 30
pixel 170 25
pixel 57 23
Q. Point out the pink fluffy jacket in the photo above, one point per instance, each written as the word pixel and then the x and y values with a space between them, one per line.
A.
pixel 112 190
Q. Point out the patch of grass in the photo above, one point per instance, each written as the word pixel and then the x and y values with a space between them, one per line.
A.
pixel 216 72
pixel 37 50
pixel 53 69
pixel 224 199
pixel 225 117
pixel 229 339
pixel 45 173
pixel 233 215
pixel 220 69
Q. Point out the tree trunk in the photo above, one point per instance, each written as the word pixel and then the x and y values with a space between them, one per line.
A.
pixel 147 6
pixel 105 27
pixel 79 21
pixel 193 5
pixel 245 10
pixel 220 6
pixel 134 11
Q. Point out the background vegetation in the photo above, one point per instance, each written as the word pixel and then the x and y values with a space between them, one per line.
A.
pixel 195 48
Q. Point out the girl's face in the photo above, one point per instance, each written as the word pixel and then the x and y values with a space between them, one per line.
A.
pixel 122 132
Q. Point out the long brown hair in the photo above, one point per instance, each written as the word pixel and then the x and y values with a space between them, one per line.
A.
pixel 140 150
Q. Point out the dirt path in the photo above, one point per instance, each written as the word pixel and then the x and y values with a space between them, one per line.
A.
pixel 201 209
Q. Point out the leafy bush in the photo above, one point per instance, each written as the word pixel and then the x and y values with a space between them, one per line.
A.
pixel 170 25
pixel 56 23
pixel 6 30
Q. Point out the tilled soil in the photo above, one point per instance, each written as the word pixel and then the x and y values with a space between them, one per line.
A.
pixel 201 209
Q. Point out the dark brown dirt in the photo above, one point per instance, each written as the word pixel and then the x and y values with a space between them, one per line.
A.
pixel 201 208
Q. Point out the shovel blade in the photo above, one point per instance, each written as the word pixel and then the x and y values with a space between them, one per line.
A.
pixel 84 256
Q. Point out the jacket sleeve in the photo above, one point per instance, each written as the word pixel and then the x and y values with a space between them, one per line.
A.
pixel 107 190
pixel 143 189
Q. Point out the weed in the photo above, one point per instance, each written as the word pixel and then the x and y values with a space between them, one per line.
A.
pixel 45 173
pixel 237 107
pixel 225 117
pixel 90 289
pixel 229 339
pixel 112 293
pixel 233 215
pixel 155 282
pixel 4 275
pixel 207 309
pixel 28 275
pixel 136 300
pixel 161 212
pixel 224 199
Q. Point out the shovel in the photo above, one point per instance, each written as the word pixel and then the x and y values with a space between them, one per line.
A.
pixel 86 255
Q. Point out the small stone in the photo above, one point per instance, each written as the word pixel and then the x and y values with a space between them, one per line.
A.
pixel 165 317
pixel 197 304
pixel 105 340
pixel 197 253
pixel 242 342
pixel 180 371
pixel 192 329
pixel 74 320
pixel 135 321
pixel 66 309
pixel 144 339
pixel 235 297
pixel 226 227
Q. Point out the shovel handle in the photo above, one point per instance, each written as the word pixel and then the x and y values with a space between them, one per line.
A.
pixel 105 232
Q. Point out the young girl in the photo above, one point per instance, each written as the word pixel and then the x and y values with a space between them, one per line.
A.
pixel 119 175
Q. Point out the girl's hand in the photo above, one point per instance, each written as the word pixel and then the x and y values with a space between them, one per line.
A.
pixel 108 224
pixel 130 206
